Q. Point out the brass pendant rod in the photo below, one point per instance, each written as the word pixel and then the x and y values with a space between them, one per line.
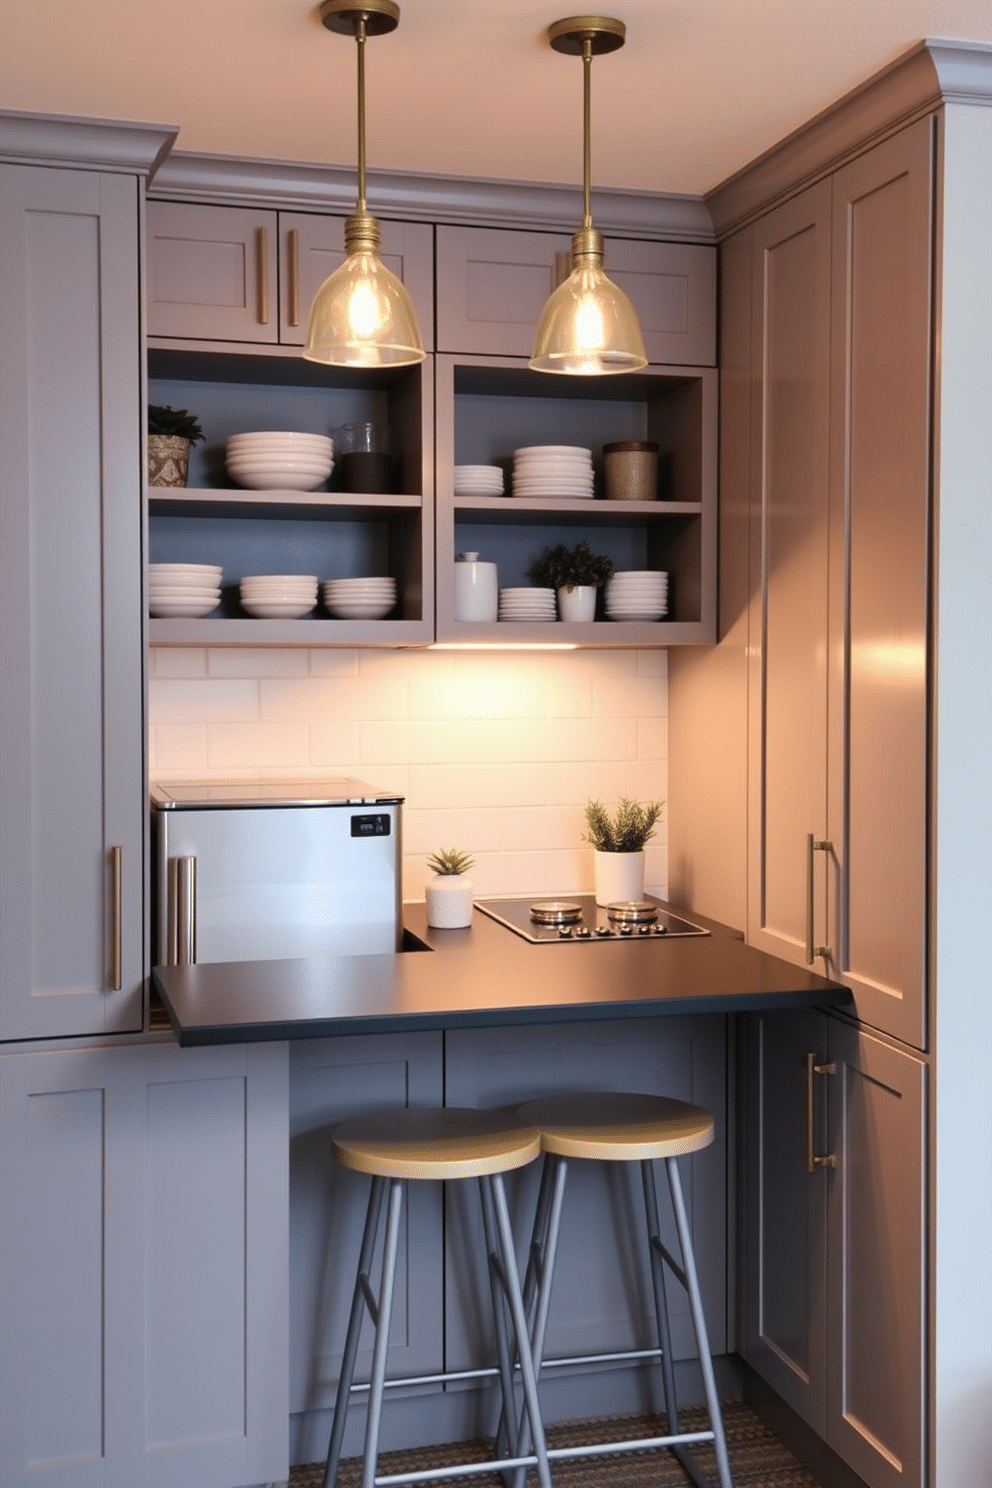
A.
pixel 587 131
pixel 360 37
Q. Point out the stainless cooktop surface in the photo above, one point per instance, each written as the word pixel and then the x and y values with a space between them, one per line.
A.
pixel 565 919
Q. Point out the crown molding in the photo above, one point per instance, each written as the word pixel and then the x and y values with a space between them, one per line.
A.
pixel 294 186
pixel 94 144
pixel 932 73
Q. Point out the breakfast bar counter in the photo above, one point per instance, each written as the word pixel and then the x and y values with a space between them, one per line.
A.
pixel 482 976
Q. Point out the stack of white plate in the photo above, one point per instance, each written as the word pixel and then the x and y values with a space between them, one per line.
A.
pixel 527 604
pixel 183 590
pixel 549 471
pixel 275 460
pixel 637 594
pixel 360 599
pixel 478 480
pixel 279 596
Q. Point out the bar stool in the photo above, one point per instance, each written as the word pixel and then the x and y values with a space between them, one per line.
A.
pixel 615 1127
pixel 417 1145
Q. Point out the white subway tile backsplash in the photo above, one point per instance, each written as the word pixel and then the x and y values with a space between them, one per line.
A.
pixel 495 753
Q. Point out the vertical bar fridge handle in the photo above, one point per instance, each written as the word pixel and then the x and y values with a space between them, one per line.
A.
pixel 182 911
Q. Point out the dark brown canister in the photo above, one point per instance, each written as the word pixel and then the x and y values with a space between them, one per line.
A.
pixel 630 468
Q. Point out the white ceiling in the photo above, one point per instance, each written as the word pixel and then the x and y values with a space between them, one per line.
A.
pixel 469 87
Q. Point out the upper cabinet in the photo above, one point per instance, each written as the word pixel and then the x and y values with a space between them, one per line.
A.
pixel 248 274
pixel 492 286
pixel 72 798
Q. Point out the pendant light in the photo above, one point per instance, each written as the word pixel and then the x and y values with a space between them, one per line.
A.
pixel 588 327
pixel 362 315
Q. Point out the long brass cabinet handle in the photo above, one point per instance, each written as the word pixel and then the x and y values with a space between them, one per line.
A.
pixel 293 254
pixel 813 846
pixel 116 918
pixel 815 1160
pixel 262 246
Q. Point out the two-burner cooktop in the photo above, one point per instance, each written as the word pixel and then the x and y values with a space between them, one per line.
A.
pixel 576 918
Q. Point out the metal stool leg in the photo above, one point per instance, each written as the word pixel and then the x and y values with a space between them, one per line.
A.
pixel 381 1319
pixel 656 1252
pixel 511 1287
pixel 358 1301
pixel 699 1323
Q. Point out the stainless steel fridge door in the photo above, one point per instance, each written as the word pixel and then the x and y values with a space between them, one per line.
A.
pixel 278 883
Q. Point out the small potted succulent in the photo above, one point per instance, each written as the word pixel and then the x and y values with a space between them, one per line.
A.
pixel 619 842
pixel 449 892
pixel 575 574
pixel 171 434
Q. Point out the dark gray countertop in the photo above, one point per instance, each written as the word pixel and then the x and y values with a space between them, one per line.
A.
pixel 479 977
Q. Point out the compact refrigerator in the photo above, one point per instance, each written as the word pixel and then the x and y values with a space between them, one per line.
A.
pixel 260 872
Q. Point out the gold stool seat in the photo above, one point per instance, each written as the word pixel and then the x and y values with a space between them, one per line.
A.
pixel 617 1126
pixel 450 1144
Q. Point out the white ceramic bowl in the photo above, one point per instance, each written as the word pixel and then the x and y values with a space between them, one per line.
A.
pixel 188 609
pixel 188 570
pixel 358 609
pixel 277 609
pixel 266 440
pixel 553 449
pixel 279 480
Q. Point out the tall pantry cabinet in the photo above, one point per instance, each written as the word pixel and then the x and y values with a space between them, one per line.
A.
pixel 855 331
pixel 143 1191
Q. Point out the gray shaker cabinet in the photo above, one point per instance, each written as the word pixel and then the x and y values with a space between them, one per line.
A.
pixel 833 1236
pixel 72 803
pixel 247 274
pixel 143 1264
pixel 839 579
pixel 492 285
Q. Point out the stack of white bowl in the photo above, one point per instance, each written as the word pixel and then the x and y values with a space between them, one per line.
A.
pixel 478 480
pixel 527 604
pixel 183 590
pixel 550 471
pixel 637 594
pixel 277 460
pixel 360 599
pixel 279 596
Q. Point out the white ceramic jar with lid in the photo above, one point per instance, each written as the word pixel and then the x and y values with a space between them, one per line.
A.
pixel 476 589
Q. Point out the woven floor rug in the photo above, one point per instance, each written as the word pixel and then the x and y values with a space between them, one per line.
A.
pixel 757 1458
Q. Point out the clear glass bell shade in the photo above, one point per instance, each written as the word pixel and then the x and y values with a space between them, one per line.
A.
pixel 588 328
pixel 362 316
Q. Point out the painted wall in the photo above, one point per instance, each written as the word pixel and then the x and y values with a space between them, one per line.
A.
pixel 495 752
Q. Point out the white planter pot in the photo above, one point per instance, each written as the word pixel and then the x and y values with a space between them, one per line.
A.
pixel 619 877
pixel 449 901
pixel 578 603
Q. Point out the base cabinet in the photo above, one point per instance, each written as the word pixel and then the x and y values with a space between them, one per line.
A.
pixel 833 1266
pixel 143 1222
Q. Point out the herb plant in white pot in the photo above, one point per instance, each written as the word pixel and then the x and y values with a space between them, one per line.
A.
pixel 575 574
pixel 449 892
pixel 619 847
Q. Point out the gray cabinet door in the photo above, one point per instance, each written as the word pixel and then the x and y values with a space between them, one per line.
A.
pixel 311 247
pixel 833 1260
pixel 879 579
pixel 211 273
pixel 72 800
pixel 333 1079
pixel 601 1299
pixel 143 1264
pixel 789 526
pixel 492 286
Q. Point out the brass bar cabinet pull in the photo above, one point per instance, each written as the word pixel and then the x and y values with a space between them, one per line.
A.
pixel 181 929
pixel 813 846
pixel 116 919
pixel 293 245
pixel 262 243
pixel 815 1160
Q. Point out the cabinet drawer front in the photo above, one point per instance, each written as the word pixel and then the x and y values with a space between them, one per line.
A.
pixel 211 273
pixel 492 286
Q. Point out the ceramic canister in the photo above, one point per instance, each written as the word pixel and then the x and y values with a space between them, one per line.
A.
pixel 476 588
pixel 630 470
